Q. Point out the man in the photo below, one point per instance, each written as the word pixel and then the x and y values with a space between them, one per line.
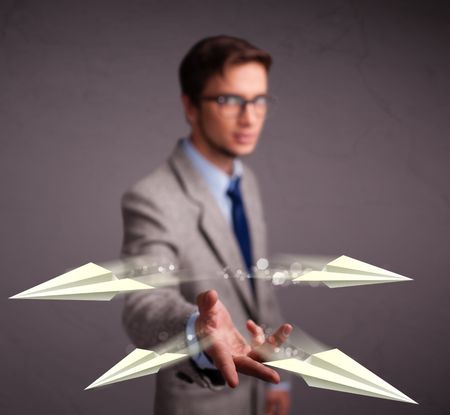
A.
pixel 202 211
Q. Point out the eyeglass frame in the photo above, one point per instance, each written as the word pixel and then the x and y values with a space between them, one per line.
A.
pixel 242 101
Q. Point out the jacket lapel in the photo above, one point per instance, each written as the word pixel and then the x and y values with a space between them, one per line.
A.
pixel 254 214
pixel 212 224
pixel 253 209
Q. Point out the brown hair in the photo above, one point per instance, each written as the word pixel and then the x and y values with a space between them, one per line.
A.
pixel 210 56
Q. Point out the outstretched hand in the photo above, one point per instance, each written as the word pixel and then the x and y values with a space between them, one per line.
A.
pixel 228 349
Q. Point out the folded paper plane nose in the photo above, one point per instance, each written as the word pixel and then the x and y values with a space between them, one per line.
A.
pixel 138 363
pixel 347 272
pixel 334 370
pixel 88 282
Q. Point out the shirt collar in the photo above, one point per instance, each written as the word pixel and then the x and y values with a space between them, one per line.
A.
pixel 216 179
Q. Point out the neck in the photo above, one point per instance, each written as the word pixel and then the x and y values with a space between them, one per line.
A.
pixel 215 156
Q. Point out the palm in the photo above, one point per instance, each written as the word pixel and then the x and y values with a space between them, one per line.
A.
pixel 218 327
pixel 228 348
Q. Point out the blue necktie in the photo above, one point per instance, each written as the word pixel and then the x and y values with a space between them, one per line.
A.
pixel 240 225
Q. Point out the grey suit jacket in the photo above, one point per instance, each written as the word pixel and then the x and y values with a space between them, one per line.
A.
pixel 171 214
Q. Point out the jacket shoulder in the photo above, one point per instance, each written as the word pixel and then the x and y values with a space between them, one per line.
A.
pixel 158 188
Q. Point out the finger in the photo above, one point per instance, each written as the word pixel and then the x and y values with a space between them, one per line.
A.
pixel 270 407
pixel 277 402
pixel 283 403
pixel 270 349
pixel 284 406
pixel 257 333
pixel 281 335
pixel 262 353
pixel 250 367
pixel 206 300
pixel 223 360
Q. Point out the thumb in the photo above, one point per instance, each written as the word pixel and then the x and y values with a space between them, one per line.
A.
pixel 206 301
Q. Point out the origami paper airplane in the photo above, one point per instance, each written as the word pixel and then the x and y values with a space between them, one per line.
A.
pixel 330 369
pixel 96 283
pixel 346 272
pixel 88 282
pixel 334 370
pixel 138 363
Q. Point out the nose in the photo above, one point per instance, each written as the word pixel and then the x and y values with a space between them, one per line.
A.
pixel 247 116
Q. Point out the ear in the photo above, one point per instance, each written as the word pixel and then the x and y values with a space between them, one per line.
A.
pixel 190 110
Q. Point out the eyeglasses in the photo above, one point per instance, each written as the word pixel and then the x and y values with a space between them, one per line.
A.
pixel 232 106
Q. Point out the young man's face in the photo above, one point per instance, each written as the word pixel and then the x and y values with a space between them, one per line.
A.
pixel 220 134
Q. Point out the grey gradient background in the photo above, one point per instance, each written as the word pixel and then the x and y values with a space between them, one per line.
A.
pixel 355 160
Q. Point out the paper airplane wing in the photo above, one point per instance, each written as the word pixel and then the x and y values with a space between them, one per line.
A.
pixel 346 272
pixel 138 363
pixel 88 282
pixel 335 370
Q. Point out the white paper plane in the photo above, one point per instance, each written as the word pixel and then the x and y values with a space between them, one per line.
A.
pixel 138 363
pixel 336 371
pixel 346 272
pixel 96 283
pixel 330 369
pixel 88 282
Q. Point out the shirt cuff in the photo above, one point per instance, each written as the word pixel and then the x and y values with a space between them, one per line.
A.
pixel 200 358
pixel 282 386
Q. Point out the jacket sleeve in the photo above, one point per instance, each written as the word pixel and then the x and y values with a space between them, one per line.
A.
pixel 152 317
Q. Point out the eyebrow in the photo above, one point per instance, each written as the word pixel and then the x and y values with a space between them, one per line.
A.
pixel 236 94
